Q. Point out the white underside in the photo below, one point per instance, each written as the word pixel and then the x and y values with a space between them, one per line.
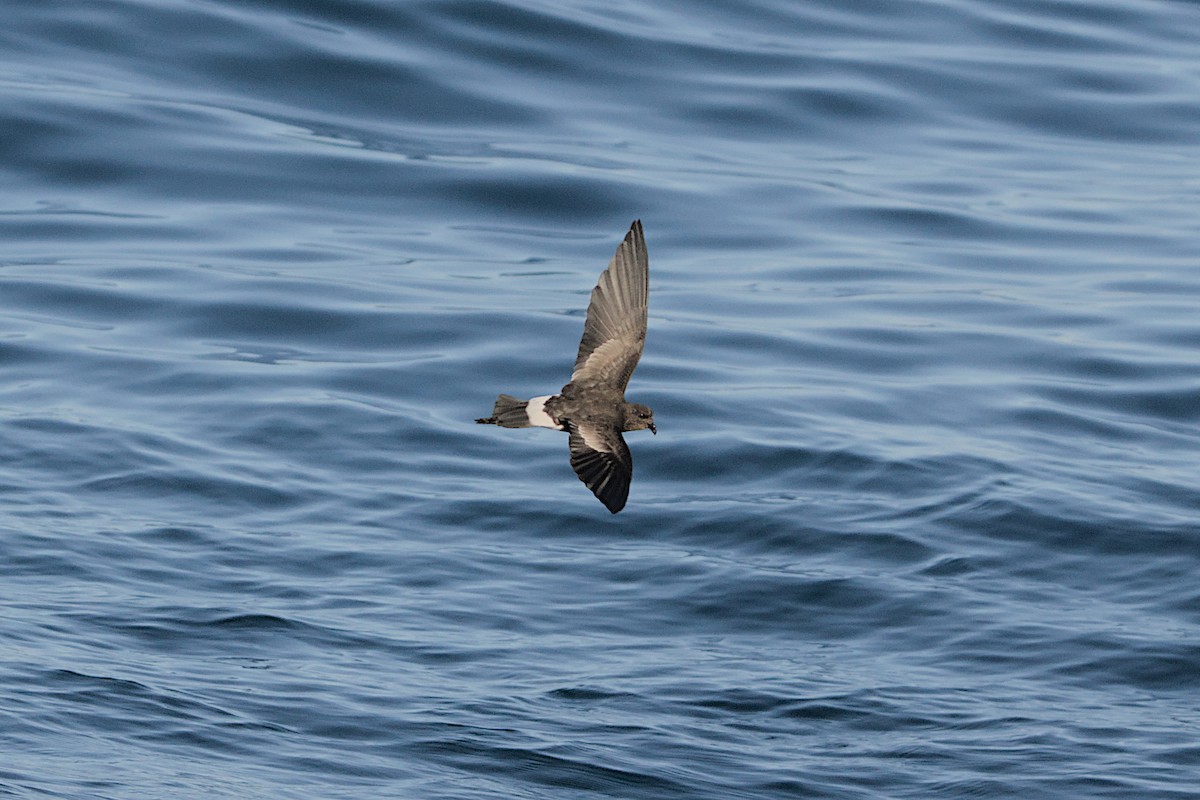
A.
pixel 536 411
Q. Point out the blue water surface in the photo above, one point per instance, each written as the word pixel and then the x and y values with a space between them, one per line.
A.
pixel 922 516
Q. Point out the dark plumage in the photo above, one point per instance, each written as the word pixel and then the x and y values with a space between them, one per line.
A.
pixel 592 406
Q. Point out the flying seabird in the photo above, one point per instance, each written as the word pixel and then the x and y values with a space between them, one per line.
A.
pixel 592 407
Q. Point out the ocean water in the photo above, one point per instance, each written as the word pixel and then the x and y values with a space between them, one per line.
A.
pixel 921 519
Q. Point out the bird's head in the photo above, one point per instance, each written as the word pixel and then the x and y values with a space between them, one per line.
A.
pixel 638 417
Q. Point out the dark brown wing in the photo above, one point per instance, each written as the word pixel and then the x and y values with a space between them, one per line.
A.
pixel 602 461
pixel 615 330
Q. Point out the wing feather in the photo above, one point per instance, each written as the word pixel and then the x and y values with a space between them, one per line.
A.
pixel 602 461
pixel 615 331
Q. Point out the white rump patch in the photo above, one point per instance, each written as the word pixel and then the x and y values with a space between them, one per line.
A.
pixel 536 411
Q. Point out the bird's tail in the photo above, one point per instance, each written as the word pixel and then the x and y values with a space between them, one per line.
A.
pixel 508 413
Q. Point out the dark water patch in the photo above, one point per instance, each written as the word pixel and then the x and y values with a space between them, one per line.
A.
pixel 1149 667
pixel 551 770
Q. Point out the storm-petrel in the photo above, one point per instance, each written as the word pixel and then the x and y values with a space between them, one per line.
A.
pixel 592 407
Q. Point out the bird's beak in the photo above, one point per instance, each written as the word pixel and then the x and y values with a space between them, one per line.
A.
pixel 653 429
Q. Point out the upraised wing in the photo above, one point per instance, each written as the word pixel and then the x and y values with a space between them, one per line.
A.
pixel 615 330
